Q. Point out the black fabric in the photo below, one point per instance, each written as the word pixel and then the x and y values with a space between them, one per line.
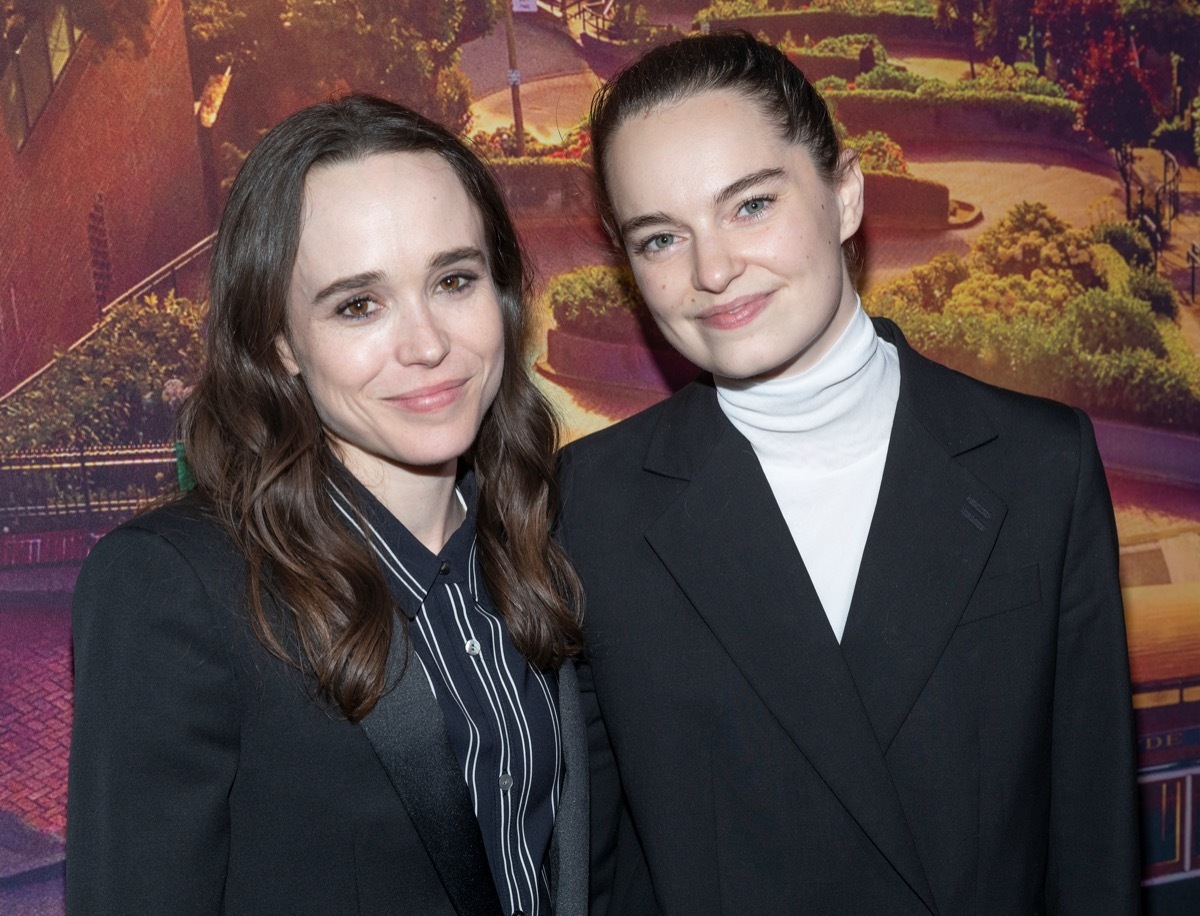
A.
pixel 967 749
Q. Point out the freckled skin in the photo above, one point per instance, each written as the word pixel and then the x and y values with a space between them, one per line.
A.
pixel 767 259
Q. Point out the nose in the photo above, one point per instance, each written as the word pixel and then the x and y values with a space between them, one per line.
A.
pixel 420 338
pixel 715 262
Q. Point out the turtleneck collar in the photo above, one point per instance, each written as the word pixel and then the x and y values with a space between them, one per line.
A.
pixel 832 413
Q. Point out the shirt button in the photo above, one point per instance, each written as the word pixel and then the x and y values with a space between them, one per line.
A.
pixel 444 569
pixel 472 646
pixel 505 782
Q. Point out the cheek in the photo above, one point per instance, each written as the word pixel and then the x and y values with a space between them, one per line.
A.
pixel 333 370
pixel 659 289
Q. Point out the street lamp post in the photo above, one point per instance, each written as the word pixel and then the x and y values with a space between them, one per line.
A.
pixel 514 76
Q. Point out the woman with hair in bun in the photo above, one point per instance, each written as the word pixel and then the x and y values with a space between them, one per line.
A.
pixel 854 636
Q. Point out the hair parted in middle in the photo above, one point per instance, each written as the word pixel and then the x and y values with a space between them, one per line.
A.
pixel 734 61
pixel 259 455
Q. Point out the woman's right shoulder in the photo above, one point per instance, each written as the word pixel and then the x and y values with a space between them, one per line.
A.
pixel 186 531
pixel 188 520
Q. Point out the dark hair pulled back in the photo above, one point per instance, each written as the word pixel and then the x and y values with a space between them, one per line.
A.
pixel 728 60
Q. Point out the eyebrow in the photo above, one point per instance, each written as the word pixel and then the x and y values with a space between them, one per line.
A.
pixel 455 256
pixel 347 285
pixel 743 184
pixel 357 281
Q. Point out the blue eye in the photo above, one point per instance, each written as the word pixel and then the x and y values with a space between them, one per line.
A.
pixel 657 242
pixel 755 206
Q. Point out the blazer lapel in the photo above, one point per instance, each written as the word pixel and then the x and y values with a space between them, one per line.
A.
pixel 785 648
pixel 408 734
pixel 934 527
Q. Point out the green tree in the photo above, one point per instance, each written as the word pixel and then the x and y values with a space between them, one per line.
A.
pixel 1003 28
pixel 111 23
pixel 996 27
pixel 288 52
pixel 958 17
pixel 1117 104
pixel 1171 27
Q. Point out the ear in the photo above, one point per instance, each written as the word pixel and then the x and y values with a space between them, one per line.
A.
pixel 286 356
pixel 850 194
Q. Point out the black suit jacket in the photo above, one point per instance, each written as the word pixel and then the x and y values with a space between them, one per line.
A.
pixel 968 748
pixel 205 779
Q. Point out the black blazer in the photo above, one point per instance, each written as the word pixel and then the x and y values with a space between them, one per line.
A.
pixel 204 779
pixel 968 748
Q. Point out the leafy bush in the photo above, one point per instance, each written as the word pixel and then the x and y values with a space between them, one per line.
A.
pixel 1106 322
pixel 1136 385
pixel 601 303
pixel 501 143
pixel 851 45
pixel 1155 290
pixel 830 83
pixel 867 7
pixel 719 10
pixel 1196 125
pixel 997 76
pixel 1042 294
pixel 1129 241
pixel 908 20
pixel 1172 136
pixel 122 385
pixel 877 152
pixel 1014 312
pixel 929 286
pixel 889 76
pixel 934 107
pixel 1030 238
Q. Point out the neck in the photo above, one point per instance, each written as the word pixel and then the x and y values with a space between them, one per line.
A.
pixel 829 414
pixel 423 500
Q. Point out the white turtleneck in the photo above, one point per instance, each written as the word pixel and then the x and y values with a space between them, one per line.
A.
pixel 821 437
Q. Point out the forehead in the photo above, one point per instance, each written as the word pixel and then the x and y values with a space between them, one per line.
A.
pixel 691 149
pixel 414 198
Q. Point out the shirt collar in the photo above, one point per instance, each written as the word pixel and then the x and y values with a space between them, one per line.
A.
pixel 410 568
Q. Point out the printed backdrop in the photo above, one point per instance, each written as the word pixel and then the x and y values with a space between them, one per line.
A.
pixel 1033 219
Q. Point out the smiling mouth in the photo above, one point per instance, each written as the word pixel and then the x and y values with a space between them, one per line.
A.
pixel 430 398
pixel 736 313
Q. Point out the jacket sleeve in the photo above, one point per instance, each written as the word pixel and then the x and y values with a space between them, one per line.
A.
pixel 154 745
pixel 619 881
pixel 1094 840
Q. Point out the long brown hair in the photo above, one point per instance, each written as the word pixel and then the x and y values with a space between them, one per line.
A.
pixel 257 450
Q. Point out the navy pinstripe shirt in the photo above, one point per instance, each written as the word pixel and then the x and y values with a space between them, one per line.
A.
pixel 501 713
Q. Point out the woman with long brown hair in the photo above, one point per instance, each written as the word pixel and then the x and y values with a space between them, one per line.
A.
pixel 330 678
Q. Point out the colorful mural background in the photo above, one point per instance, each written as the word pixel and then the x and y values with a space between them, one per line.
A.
pixel 1033 218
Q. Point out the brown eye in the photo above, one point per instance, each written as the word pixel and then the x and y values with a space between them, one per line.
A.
pixel 359 307
pixel 455 283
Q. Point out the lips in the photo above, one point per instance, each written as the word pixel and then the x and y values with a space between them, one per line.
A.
pixel 430 398
pixel 736 313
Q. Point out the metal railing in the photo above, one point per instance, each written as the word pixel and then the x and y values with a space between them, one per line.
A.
pixel 163 280
pixel 85 489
